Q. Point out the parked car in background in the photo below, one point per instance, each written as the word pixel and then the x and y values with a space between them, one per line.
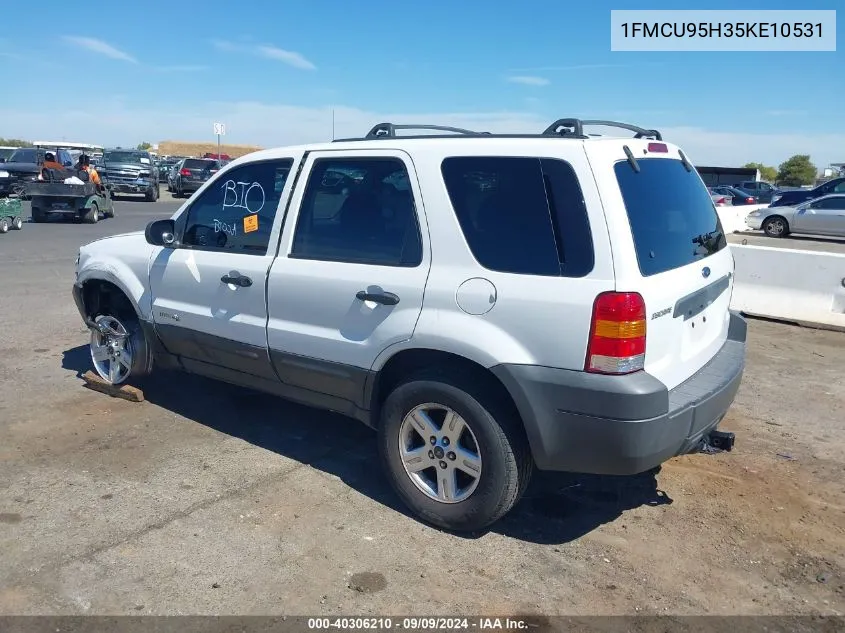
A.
pixel 797 196
pixel 719 199
pixel 192 173
pixel 763 191
pixel 738 196
pixel 130 171
pixel 24 167
pixel 820 216
pixel 5 152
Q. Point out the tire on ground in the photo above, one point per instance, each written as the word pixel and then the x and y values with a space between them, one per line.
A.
pixel 507 464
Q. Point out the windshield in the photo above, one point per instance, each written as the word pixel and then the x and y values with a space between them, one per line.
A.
pixel 27 155
pixel 5 153
pixel 126 157
pixel 673 220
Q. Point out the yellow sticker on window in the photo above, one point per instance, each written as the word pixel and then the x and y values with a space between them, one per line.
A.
pixel 250 223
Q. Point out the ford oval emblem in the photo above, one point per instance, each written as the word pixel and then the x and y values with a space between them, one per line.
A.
pixel 705 272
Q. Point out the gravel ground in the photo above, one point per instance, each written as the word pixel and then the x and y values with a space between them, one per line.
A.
pixel 209 499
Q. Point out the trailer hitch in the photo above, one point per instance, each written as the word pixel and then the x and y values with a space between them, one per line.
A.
pixel 716 442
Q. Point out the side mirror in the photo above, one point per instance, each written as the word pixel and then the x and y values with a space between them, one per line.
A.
pixel 161 233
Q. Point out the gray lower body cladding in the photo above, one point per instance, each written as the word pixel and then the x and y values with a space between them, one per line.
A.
pixel 622 425
pixel 575 421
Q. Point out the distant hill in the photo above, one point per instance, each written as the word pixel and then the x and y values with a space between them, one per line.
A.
pixel 188 148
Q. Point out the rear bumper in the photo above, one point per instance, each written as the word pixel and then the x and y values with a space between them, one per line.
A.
pixel 192 185
pixel 622 425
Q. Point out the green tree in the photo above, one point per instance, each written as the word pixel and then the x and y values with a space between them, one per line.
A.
pixel 767 173
pixel 14 142
pixel 144 146
pixel 797 171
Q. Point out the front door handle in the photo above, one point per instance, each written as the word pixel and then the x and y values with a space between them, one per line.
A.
pixel 237 280
pixel 385 298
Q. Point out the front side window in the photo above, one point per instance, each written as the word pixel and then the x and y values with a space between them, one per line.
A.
pixel 836 202
pixel 236 211
pixel 358 210
pixel 672 217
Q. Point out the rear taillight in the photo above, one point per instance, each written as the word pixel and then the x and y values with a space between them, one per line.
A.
pixel 617 334
pixel 720 201
pixel 749 201
pixel 184 172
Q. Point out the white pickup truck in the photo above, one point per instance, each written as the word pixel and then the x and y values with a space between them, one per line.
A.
pixel 491 304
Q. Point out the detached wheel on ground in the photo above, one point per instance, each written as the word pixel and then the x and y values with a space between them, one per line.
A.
pixel 454 452
pixel 776 226
pixel 117 347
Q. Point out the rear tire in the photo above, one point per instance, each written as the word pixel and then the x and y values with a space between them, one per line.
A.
pixel 4 225
pixel 17 223
pixel 500 457
pixel 92 215
pixel 776 226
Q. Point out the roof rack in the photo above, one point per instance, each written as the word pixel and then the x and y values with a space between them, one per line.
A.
pixel 388 130
pixel 575 128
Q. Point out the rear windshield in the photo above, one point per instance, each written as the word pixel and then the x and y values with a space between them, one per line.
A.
pixel 199 163
pixel 673 220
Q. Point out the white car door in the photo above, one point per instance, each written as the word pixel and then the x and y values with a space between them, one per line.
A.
pixel 208 291
pixel 351 271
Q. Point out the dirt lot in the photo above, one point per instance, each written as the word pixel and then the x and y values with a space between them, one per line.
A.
pixel 211 499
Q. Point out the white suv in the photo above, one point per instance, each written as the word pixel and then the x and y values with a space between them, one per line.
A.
pixel 488 303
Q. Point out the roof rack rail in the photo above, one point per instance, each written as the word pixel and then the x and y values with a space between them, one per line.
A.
pixel 388 130
pixel 575 127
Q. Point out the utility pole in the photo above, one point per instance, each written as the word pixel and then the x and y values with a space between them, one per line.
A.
pixel 333 124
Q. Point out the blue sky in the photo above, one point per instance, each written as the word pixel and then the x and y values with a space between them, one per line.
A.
pixel 273 71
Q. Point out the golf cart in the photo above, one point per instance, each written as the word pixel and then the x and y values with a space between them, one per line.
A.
pixel 67 192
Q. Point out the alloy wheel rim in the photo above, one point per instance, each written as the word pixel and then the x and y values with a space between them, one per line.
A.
pixel 440 453
pixel 111 350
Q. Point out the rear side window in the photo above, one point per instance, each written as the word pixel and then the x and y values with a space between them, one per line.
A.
pixel 521 215
pixel 673 220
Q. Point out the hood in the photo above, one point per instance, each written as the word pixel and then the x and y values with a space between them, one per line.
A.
pixel 121 238
pixel 20 168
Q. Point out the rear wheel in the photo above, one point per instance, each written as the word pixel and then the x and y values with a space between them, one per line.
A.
pixel 4 225
pixel 454 451
pixel 776 226
pixel 92 215
pixel 17 223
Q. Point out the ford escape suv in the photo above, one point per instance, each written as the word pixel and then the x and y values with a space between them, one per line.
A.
pixel 488 303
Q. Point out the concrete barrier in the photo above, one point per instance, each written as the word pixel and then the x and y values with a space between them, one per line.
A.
pixel 806 287
pixel 733 218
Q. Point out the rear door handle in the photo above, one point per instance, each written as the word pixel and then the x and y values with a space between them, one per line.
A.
pixel 237 279
pixel 385 298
